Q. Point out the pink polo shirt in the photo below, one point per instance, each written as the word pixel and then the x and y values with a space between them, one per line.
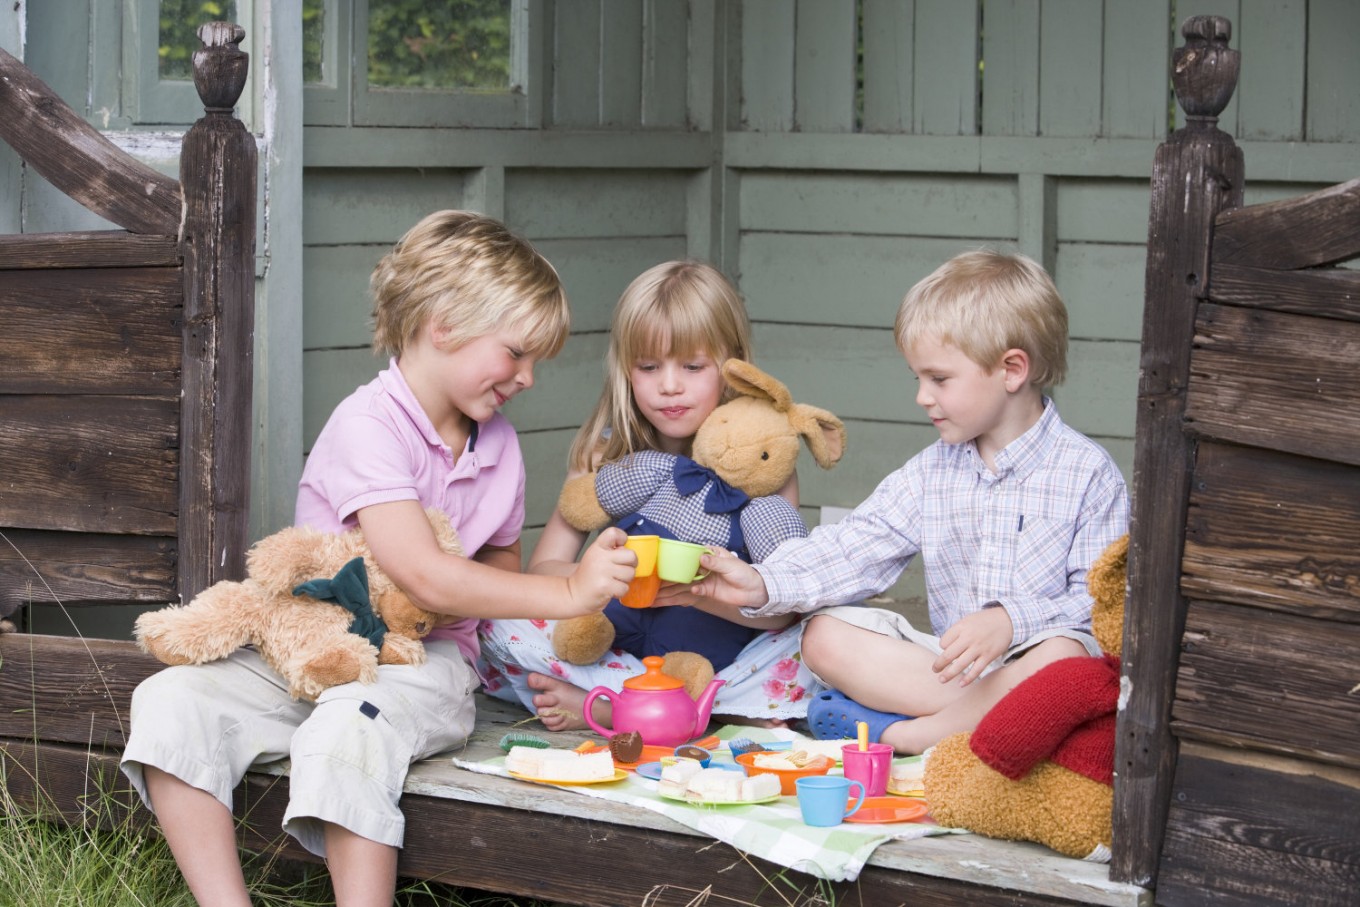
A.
pixel 379 446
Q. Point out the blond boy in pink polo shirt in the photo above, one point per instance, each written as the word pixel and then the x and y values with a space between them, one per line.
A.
pixel 466 309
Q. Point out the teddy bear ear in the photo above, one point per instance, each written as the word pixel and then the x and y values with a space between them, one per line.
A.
pixel 824 433
pixel 746 379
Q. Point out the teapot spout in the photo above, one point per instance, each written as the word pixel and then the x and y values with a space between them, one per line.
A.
pixel 704 705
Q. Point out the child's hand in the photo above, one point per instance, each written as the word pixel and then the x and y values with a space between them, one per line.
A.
pixel 604 572
pixel 972 644
pixel 731 581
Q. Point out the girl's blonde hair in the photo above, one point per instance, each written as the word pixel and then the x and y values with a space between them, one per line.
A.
pixel 985 303
pixel 677 308
pixel 470 275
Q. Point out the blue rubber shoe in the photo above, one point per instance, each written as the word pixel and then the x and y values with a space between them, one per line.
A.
pixel 834 716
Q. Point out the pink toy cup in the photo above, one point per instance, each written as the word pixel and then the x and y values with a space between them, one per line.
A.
pixel 870 767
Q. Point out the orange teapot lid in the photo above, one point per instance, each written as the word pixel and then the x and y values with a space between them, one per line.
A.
pixel 652 678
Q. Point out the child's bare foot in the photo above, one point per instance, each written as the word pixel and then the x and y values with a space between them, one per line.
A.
pixel 561 706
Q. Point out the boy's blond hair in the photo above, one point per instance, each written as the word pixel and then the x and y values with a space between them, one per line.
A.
pixel 470 275
pixel 676 308
pixel 985 303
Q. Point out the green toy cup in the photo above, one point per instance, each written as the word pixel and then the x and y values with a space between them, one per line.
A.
pixel 678 562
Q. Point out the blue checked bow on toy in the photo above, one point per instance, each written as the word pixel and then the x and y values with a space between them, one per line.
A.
pixel 721 498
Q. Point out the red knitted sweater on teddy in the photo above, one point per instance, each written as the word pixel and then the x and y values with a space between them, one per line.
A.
pixel 1065 713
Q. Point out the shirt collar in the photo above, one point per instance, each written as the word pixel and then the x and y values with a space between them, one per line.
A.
pixel 487 445
pixel 1027 452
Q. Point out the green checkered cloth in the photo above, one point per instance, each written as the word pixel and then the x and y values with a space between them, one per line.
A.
pixel 773 831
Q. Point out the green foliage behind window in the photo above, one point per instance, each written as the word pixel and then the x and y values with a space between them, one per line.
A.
pixel 179 22
pixel 458 44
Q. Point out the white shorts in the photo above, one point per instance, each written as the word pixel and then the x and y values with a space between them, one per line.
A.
pixel 208 724
pixel 891 624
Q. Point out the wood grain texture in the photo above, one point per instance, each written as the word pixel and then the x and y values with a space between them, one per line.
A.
pixel 472 829
pixel 78 160
pixel 90 464
pixel 37 568
pixel 1320 228
pixel 93 249
pixel 1324 292
pixel 1269 681
pixel 91 331
pixel 1275 380
pixel 1289 835
pixel 1197 173
pixel 1258 533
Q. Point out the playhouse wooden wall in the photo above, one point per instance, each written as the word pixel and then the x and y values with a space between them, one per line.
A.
pixel 825 153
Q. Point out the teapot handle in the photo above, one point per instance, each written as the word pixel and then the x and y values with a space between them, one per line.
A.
pixel 585 707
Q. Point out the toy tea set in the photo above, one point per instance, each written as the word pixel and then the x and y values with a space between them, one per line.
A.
pixel 655 721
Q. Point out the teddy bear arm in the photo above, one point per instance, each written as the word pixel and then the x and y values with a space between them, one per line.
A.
pixel 217 622
pixel 401 650
pixel 582 640
pixel 579 506
pixel 1031 721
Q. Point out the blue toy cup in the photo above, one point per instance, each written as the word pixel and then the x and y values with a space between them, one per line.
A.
pixel 823 798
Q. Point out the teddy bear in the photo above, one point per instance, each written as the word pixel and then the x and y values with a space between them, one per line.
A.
pixel 742 455
pixel 1040 764
pixel 315 605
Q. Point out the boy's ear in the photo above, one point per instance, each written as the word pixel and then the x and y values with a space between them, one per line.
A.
pixel 1015 363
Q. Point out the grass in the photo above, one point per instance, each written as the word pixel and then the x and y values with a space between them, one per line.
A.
pixel 51 864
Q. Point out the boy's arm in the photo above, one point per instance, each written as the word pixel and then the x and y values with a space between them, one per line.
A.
pixel 404 545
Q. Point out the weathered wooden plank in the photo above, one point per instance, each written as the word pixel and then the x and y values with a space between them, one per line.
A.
pixel 1325 292
pixel 89 249
pixel 77 159
pixel 90 464
pixel 945 58
pixel 66 690
pixel 887 27
pixel 218 165
pixel 1267 680
pixel 1320 228
pixel 91 331
pixel 824 65
pixel 1272 103
pixel 666 64
pixel 1276 380
pixel 344 207
pixel 38 567
pixel 1197 172
pixel 1072 37
pixel 1258 533
pixel 1133 69
pixel 576 65
pixel 1333 113
pixel 1264 819
pixel 1010 81
pixel 620 77
pixel 862 204
pixel 767 43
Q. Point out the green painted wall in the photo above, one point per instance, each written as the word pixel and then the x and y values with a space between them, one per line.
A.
pixel 826 154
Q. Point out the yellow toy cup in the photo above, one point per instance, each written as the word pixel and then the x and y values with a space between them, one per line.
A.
pixel 642 590
pixel 678 562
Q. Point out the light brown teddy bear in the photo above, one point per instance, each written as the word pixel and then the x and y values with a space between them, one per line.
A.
pixel 725 494
pixel 315 605
pixel 1040 765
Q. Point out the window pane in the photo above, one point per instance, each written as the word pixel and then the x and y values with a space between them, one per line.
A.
pixel 179 22
pixel 460 44
pixel 313 40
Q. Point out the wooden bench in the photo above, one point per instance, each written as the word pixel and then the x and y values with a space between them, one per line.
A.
pixel 1238 752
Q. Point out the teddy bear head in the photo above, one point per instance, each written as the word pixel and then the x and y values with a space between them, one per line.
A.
pixel 1106 581
pixel 751 441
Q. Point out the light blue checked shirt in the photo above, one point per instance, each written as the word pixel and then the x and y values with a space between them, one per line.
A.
pixel 1023 536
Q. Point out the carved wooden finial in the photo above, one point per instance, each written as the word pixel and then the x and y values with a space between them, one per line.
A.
pixel 1204 71
pixel 220 66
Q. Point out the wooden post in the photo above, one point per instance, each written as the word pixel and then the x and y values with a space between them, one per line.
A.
pixel 1198 173
pixel 217 172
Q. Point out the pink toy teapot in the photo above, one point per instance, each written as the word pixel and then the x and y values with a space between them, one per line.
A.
pixel 656 706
